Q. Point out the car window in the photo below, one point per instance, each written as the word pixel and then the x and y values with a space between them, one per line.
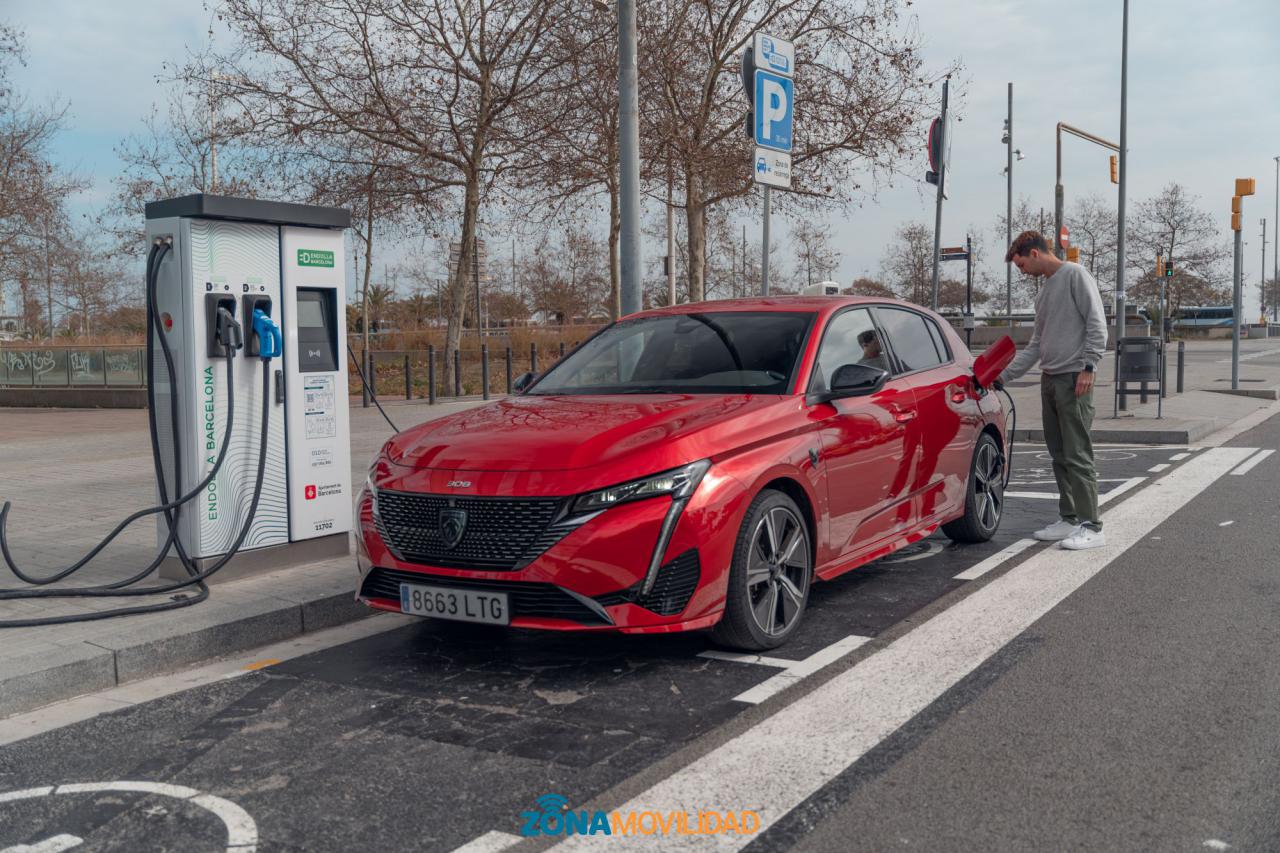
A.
pixel 851 338
pixel 909 336
pixel 711 352
pixel 938 341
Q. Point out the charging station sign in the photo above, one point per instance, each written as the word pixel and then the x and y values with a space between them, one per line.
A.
pixel 314 258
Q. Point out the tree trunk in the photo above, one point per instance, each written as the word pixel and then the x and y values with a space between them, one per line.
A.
pixel 696 226
pixel 615 258
pixel 462 275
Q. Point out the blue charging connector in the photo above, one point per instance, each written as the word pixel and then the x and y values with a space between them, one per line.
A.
pixel 270 342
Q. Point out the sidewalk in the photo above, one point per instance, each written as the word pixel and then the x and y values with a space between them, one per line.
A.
pixel 71 475
pixel 1203 408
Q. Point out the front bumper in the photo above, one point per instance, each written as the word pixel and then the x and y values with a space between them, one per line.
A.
pixel 589 577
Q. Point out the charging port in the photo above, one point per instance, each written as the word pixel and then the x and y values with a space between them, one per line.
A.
pixel 212 303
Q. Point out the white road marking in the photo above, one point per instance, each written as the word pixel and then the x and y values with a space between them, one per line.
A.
pixel 777 763
pixel 1156 469
pixel 490 842
pixel 1119 490
pixel 1178 457
pixel 242 832
pixel 1226 523
pixel 65 713
pixel 1215 844
pixel 1251 462
pixel 980 569
pixel 1053 496
pixel 50 845
pixel 792 670
pixel 1262 354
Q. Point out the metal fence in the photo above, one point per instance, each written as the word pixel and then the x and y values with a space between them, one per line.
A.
pixel 72 367
pixel 421 374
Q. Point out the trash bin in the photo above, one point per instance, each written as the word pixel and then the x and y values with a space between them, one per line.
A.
pixel 1140 361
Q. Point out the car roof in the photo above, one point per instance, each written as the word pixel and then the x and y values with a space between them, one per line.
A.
pixel 777 303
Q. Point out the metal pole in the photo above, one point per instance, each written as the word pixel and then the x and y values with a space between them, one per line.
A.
pixel 484 371
pixel 1057 196
pixel 1124 176
pixel 1275 253
pixel 431 374
pixel 1008 215
pixel 968 291
pixel 1182 353
pixel 629 157
pixel 764 248
pixel 1262 276
pixel 508 370
pixel 457 373
pixel 671 244
pixel 1235 317
pixel 942 178
pixel 475 271
pixel 408 378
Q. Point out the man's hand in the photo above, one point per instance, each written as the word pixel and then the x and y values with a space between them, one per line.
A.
pixel 1084 382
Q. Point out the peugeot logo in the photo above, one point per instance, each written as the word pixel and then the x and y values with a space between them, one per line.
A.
pixel 453 523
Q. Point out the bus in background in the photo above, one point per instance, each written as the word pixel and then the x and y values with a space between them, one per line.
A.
pixel 1203 317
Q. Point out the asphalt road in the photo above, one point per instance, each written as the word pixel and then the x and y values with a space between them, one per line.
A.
pixel 1139 713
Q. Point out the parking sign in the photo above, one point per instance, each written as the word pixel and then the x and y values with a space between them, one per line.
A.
pixel 773 110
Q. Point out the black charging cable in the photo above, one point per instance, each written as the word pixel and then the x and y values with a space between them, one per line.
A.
pixel 230 335
pixel 373 396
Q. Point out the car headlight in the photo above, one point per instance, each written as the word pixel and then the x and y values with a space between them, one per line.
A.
pixel 679 483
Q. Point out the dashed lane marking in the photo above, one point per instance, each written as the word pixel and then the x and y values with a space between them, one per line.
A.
pixel 980 569
pixel 1156 469
pixel 792 670
pixel 1251 462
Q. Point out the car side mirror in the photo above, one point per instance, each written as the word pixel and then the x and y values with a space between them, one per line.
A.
pixel 852 380
pixel 524 380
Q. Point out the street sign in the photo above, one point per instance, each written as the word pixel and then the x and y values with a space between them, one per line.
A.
pixel 774 54
pixel 1064 237
pixel 953 253
pixel 772 168
pixel 773 113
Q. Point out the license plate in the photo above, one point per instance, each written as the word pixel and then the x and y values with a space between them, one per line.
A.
pixel 462 605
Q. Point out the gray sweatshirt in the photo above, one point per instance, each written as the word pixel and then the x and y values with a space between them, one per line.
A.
pixel 1071 329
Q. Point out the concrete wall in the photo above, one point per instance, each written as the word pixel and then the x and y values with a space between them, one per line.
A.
pixel 74 398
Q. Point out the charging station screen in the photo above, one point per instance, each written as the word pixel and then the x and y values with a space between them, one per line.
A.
pixel 310 314
pixel 317 337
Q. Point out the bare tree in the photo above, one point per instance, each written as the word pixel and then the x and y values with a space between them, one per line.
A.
pixel 870 287
pixel 907 267
pixel 1172 224
pixel 815 257
pixel 860 97
pixel 1092 221
pixel 457 88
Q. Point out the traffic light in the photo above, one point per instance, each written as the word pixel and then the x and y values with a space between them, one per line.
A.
pixel 1073 254
pixel 1159 266
pixel 1244 186
pixel 1168 270
pixel 1115 169
pixel 1235 210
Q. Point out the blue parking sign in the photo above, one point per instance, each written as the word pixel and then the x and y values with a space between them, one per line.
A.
pixel 773 110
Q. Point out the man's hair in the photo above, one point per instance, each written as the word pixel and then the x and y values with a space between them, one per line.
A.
pixel 866 337
pixel 1025 242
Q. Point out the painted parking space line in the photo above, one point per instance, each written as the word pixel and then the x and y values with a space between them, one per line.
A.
pixel 779 762
pixel 242 831
pixel 793 671
pixel 1251 462
pixel 980 569
pixel 1178 457
pixel 1125 486
pixel 1156 469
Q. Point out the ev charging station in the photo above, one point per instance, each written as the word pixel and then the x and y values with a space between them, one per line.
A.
pixel 247 258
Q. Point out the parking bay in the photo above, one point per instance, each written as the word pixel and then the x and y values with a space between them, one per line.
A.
pixel 433 734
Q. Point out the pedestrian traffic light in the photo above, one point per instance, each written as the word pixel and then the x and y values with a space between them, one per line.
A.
pixel 1245 186
pixel 1168 270
pixel 1115 169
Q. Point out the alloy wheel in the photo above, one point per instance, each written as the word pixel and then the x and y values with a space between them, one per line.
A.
pixel 988 485
pixel 778 571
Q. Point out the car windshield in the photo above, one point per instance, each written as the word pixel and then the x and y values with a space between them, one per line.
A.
pixel 727 352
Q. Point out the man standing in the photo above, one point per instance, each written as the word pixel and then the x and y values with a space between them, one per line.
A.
pixel 1068 341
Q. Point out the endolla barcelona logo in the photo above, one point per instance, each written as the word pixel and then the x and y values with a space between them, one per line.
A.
pixel 554 818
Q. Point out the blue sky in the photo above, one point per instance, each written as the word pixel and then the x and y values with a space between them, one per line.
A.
pixel 1204 78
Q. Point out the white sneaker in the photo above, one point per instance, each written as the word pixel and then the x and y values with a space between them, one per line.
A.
pixel 1083 539
pixel 1056 532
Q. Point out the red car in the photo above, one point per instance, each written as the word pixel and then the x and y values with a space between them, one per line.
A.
pixel 687 468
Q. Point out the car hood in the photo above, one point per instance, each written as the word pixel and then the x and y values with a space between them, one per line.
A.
pixel 549 433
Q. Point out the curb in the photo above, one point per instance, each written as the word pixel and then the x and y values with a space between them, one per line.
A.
pixel 1155 435
pixel 36 680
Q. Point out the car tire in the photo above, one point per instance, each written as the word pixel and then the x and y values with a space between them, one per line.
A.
pixel 984 495
pixel 770 576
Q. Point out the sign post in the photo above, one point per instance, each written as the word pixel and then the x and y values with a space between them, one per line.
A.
pixel 938 145
pixel 963 253
pixel 767 71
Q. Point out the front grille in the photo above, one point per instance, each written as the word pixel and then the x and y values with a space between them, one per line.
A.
pixel 671 591
pixel 535 600
pixel 501 534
